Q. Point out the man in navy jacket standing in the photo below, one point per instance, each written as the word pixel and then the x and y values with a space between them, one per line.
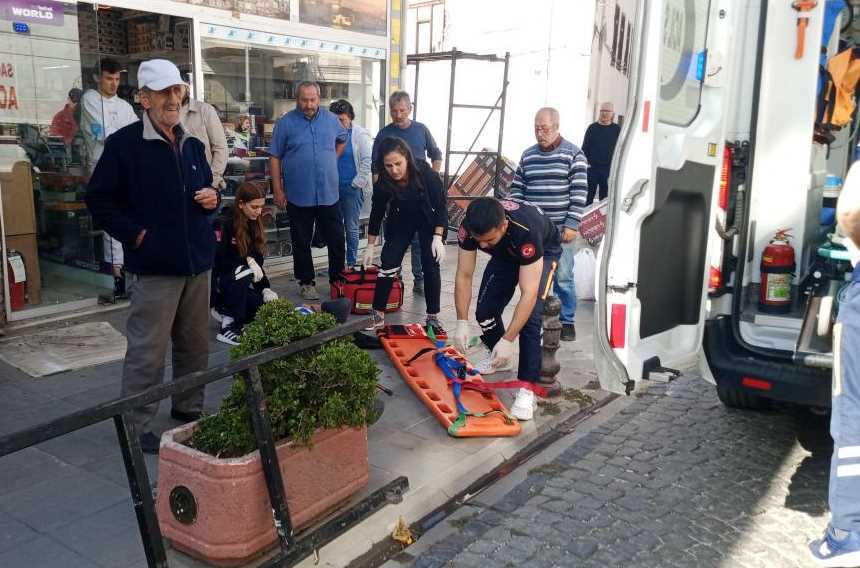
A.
pixel 152 191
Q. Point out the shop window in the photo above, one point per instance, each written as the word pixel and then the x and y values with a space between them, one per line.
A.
pixel 56 109
pixel 366 16
pixel 252 87
pixel 270 8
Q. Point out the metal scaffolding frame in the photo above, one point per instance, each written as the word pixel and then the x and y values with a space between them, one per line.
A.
pixel 453 56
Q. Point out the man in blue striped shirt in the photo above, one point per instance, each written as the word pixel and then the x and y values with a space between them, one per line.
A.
pixel 553 174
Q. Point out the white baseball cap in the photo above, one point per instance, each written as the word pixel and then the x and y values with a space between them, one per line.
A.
pixel 158 74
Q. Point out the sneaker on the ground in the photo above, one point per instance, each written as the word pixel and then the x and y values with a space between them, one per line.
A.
pixel 216 315
pixel 486 367
pixel 309 292
pixel 524 405
pixel 433 321
pixel 377 321
pixel 149 443
pixel 830 551
pixel 229 335
pixel 568 332
pixel 418 287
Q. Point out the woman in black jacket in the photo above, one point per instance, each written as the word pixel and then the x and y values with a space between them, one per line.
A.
pixel 409 195
pixel 238 272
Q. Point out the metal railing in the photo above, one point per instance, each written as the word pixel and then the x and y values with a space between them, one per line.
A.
pixel 291 550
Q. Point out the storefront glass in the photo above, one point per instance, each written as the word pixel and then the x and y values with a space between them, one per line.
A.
pixel 252 86
pixel 365 16
pixel 68 76
pixel 271 8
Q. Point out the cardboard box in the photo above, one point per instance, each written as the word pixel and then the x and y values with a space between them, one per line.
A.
pixel 19 212
pixel 26 245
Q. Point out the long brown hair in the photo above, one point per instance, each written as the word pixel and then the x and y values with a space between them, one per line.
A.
pixel 250 235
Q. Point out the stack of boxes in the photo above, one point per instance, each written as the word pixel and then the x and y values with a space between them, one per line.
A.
pixel 141 36
pixel 102 31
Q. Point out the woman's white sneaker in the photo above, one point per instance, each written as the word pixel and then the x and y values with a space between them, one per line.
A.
pixel 524 405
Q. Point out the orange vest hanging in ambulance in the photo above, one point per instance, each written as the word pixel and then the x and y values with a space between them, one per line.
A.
pixel 844 71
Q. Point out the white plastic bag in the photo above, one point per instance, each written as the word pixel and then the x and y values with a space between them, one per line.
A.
pixel 584 266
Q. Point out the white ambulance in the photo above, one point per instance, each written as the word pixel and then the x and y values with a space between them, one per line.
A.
pixel 717 153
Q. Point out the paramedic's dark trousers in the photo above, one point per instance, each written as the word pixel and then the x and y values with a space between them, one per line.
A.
pixel 238 298
pixel 165 308
pixel 398 236
pixel 598 180
pixel 845 417
pixel 329 221
pixel 500 280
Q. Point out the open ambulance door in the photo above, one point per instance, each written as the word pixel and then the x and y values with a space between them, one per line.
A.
pixel 652 272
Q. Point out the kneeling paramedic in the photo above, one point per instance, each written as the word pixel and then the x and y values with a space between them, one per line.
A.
pixel 840 545
pixel 525 246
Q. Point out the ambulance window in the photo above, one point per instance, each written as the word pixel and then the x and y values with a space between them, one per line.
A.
pixel 685 24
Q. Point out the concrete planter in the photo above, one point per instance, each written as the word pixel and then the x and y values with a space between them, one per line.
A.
pixel 218 510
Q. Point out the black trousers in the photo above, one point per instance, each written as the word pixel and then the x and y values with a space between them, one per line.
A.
pixel 598 179
pixel 238 298
pixel 399 231
pixel 329 222
pixel 501 278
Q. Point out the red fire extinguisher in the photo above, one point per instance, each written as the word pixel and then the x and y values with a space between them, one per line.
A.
pixel 777 270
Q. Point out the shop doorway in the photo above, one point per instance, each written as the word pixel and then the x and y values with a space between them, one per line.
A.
pixel 53 124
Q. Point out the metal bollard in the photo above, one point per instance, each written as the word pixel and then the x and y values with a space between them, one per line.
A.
pixel 549 366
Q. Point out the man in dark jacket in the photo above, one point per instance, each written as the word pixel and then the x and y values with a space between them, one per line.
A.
pixel 598 144
pixel 151 190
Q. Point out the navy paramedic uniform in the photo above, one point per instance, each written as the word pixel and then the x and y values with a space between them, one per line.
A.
pixel 530 236
pixel 845 415
pixel 240 299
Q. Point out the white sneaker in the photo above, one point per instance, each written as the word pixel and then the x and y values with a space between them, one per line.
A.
pixel 486 367
pixel 524 405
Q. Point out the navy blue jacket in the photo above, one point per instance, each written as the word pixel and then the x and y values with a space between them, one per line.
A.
pixel 139 183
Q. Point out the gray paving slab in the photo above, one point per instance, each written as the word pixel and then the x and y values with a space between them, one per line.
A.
pixel 63 499
pixel 14 533
pixel 44 552
pixel 89 536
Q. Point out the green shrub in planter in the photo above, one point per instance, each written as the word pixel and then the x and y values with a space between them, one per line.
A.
pixel 331 386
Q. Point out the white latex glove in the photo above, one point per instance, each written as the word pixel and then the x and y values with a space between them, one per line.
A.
pixel 367 259
pixel 255 268
pixel 461 336
pixel 502 352
pixel 269 295
pixel 438 249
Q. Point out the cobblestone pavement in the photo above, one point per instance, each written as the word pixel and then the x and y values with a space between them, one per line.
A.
pixel 673 479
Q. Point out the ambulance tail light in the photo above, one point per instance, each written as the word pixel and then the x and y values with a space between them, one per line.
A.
pixel 725 175
pixel 715 280
pixel 618 326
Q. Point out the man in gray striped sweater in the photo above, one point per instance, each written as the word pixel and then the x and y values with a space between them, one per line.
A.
pixel 553 174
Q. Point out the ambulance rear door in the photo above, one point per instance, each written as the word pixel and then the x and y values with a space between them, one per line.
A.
pixel 652 273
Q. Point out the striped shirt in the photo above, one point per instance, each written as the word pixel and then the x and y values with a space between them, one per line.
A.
pixel 555 180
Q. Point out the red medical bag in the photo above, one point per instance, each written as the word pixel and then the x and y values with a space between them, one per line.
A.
pixel 358 285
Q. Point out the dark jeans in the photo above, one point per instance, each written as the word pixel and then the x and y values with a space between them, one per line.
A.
pixel 398 236
pixel 328 221
pixel 500 280
pixel 238 298
pixel 845 413
pixel 598 179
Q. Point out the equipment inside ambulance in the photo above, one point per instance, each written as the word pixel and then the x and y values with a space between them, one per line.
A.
pixel 721 250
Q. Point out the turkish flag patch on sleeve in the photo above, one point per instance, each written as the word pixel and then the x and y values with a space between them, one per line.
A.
pixel 527 250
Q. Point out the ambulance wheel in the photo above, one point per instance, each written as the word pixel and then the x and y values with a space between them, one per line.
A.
pixel 732 397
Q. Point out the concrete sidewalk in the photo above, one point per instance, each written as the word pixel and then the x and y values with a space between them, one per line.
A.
pixel 66 503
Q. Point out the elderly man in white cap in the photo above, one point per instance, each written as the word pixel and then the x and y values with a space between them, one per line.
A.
pixel 152 191
pixel 840 545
